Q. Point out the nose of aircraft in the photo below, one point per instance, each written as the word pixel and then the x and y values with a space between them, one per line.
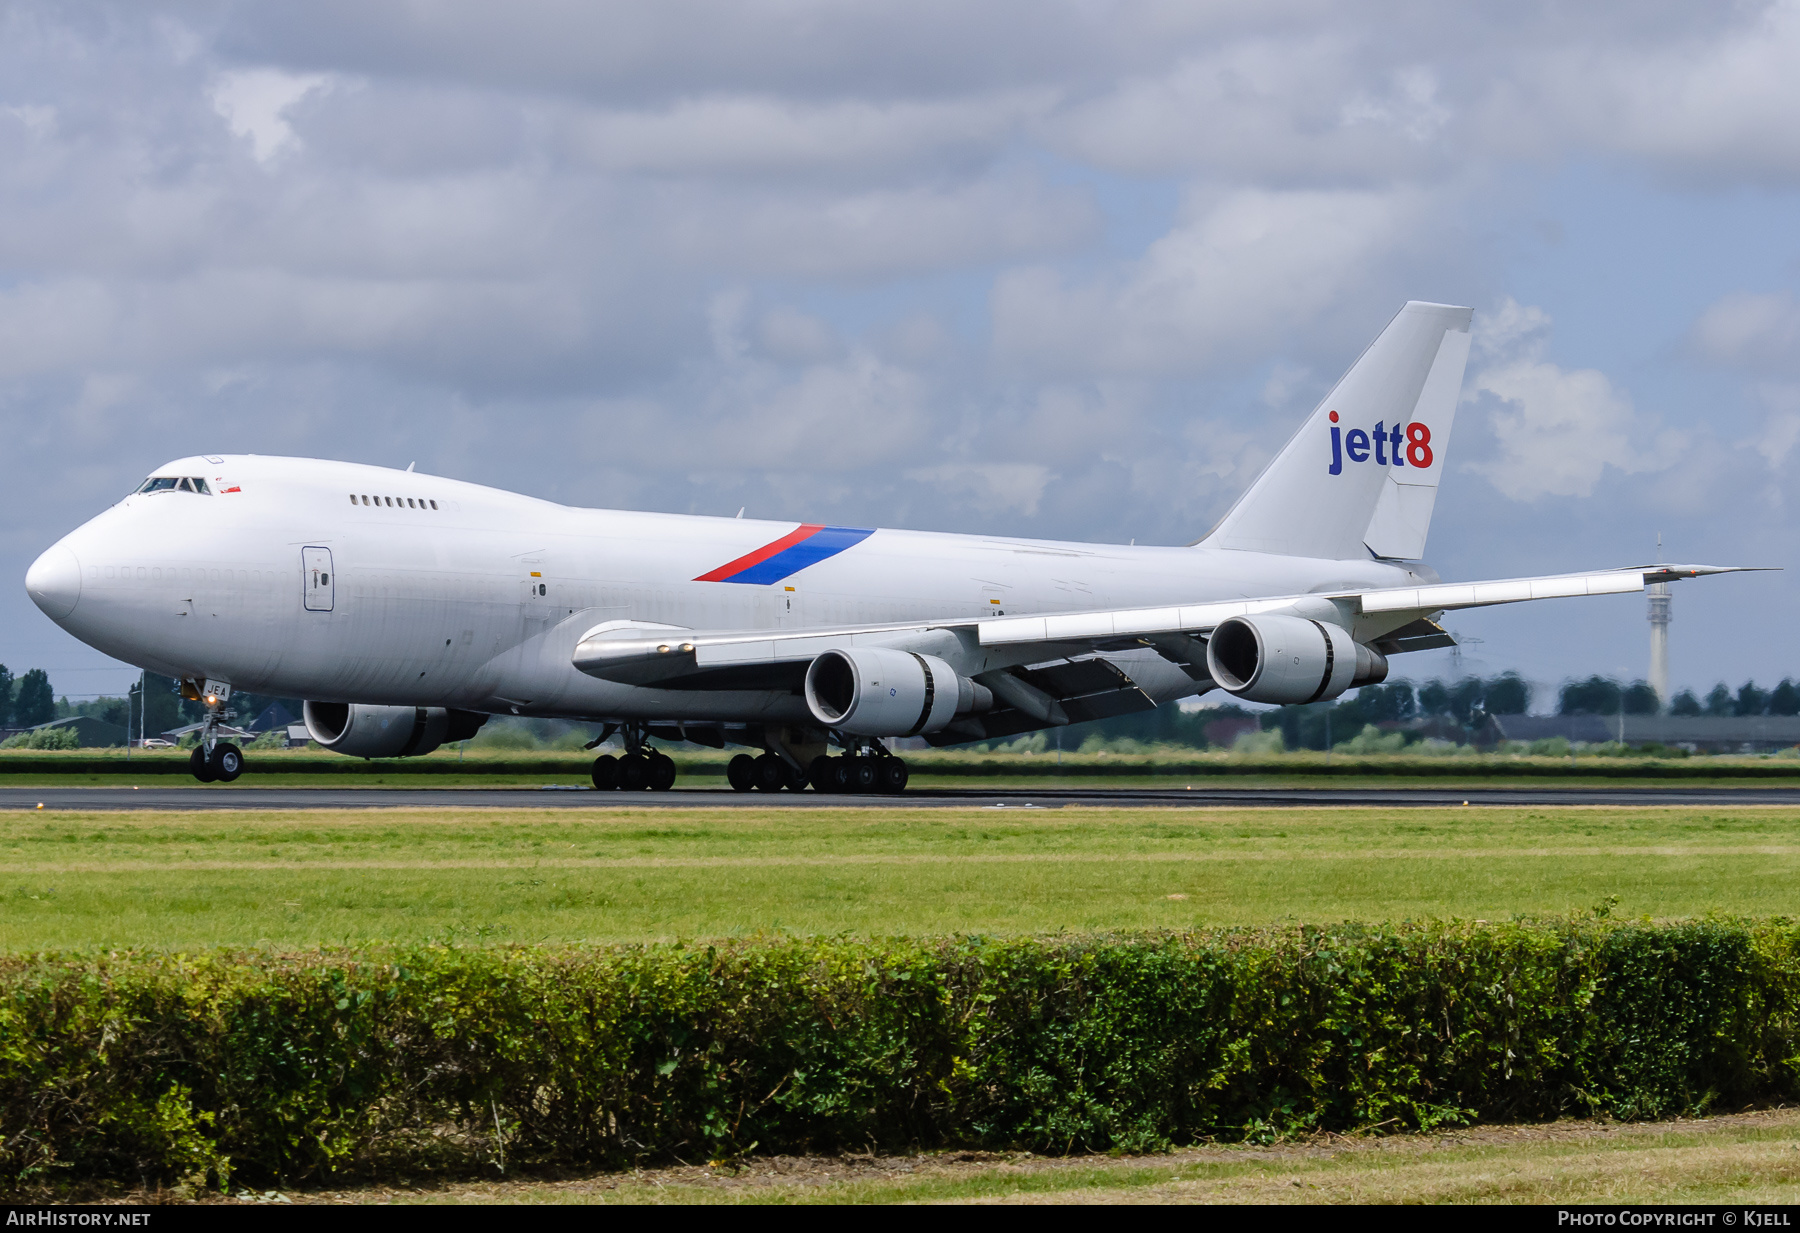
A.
pixel 54 582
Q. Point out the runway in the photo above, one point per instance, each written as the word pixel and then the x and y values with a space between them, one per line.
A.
pixel 196 797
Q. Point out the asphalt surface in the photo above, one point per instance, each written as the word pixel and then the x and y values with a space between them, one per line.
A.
pixel 244 797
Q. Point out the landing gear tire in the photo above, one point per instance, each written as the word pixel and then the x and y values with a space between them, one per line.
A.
pixel 634 772
pixel 606 773
pixel 200 767
pixel 797 778
pixel 893 774
pixel 227 762
pixel 864 775
pixel 740 773
pixel 823 773
pixel 771 773
pixel 662 772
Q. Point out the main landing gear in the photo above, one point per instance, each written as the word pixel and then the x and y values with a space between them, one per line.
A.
pixel 640 769
pixel 855 772
pixel 764 773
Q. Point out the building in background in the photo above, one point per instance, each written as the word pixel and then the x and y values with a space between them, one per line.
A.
pixel 1701 733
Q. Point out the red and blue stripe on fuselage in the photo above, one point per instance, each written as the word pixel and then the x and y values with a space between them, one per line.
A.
pixel 805 545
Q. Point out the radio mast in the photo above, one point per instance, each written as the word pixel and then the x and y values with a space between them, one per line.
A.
pixel 1659 632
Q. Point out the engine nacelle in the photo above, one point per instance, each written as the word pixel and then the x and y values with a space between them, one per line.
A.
pixel 874 691
pixel 387 731
pixel 1289 659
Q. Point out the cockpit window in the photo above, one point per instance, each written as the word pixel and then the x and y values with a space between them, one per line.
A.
pixel 175 483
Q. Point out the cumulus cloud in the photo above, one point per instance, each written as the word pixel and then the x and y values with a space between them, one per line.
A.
pixel 1711 97
pixel 255 103
pixel 1757 332
pixel 739 135
pixel 1243 273
pixel 742 412
pixel 1779 432
pixel 989 487
pixel 1558 431
pixel 1298 109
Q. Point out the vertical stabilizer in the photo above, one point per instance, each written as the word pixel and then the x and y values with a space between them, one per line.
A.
pixel 1361 475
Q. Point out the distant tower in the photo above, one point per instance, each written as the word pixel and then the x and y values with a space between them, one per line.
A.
pixel 1659 633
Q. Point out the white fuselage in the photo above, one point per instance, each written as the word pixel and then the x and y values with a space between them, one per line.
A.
pixel 479 603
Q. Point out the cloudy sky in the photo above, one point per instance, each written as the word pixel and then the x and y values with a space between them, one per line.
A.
pixel 1051 269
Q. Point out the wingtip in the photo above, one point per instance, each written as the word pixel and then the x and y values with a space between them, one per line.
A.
pixel 1673 573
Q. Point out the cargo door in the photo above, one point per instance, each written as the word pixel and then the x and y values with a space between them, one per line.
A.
pixel 316 579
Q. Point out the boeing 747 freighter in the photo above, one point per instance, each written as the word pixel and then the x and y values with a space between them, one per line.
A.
pixel 408 608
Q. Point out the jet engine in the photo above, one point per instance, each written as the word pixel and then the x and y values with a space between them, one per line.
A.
pixel 1289 659
pixel 874 691
pixel 387 731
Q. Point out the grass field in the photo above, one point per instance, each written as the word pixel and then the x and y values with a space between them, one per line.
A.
pixel 1748 1159
pixel 167 881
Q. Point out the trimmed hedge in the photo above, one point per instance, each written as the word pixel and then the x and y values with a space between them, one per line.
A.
pixel 347 1063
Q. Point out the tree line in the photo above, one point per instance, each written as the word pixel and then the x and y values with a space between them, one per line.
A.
pixel 27 700
pixel 1600 695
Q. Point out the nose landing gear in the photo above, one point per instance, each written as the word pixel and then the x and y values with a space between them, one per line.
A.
pixel 215 760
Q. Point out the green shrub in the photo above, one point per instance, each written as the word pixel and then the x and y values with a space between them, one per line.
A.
pixel 44 738
pixel 1372 740
pixel 342 1063
pixel 1259 743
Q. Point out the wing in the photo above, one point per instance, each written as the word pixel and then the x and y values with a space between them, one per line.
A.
pixel 1369 615
pixel 1393 620
pixel 1061 668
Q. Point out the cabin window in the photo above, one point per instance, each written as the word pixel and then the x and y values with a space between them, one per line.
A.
pixel 434 505
pixel 390 501
pixel 409 503
pixel 353 498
